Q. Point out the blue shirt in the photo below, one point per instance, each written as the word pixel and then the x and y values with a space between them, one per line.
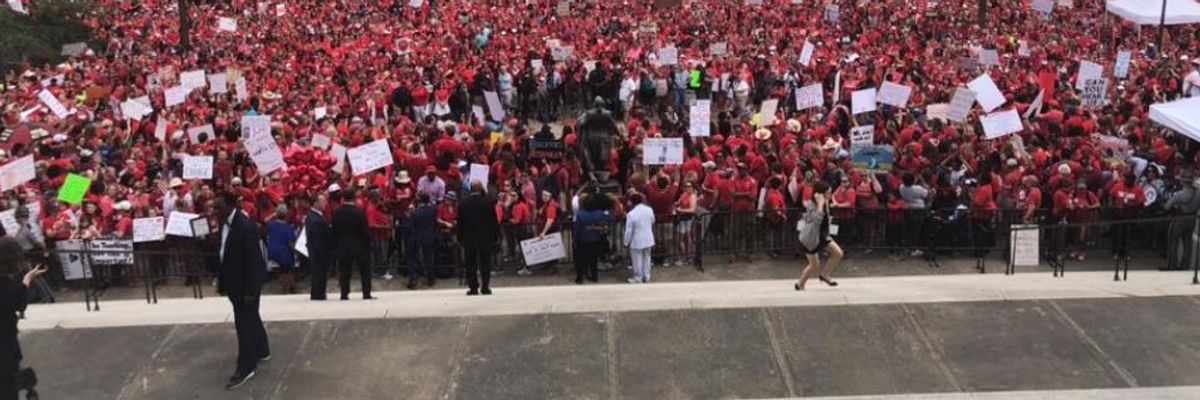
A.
pixel 280 237
pixel 590 226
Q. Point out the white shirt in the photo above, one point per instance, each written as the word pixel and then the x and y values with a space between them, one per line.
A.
pixel 225 232
pixel 1191 84
pixel 639 225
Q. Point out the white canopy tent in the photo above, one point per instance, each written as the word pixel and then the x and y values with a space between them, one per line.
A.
pixel 1149 12
pixel 1182 116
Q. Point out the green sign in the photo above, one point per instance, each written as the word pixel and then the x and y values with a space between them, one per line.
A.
pixel 695 81
pixel 73 189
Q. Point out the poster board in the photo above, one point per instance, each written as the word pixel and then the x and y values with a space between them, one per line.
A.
pixel 862 136
pixel 71 259
pixel 17 173
pixel 149 229
pixel 1121 66
pixel 767 112
pixel 662 151
pixel 494 107
pixel 264 152
pixel 894 94
pixel 369 157
pixel 1025 245
pixel 862 101
pixel 180 224
pixel 543 249
pixel 479 172
pixel 810 96
pixel 987 93
pixel 197 167
pixel 700 119
pixel 1000 124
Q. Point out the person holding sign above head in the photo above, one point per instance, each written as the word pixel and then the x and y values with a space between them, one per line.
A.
pixel 241 274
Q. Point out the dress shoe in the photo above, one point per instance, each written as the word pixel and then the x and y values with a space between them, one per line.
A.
pixel 238 379
pixel 345 297
pixel 472 293
pixel 369 297
pixel 486 291
pixel 412 285
pixel 578 281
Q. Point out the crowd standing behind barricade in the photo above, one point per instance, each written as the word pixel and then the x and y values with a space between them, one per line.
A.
pixel 357 71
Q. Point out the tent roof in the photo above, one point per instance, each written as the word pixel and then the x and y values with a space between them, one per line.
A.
pixel 1148 12
pixel 1180 115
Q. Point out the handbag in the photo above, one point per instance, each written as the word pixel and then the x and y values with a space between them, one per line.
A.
pixel 809 228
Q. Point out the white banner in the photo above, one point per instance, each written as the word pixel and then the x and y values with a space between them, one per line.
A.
pixel 960 105
pixel 543 249
pixel 862 136
pixel 937 111
pixel 370 157
pixel 718 48
pixel 180 224
pixel 1094 93
pixel 148 229
pixel 987 93
pixel 17 172
pixel 700 119
pixel 479 172
pixel 999 124
pixel 894 94
pixel 1088 70
pixel 1121 67
pixel 197 167
pixel 494 107
pixel 110 252
pixel 264 152
pixel 134 110
pixel 51 101
pixel 662 151
pixel 862 101
pixel 989 57
pixel 766 112
pixel 810 96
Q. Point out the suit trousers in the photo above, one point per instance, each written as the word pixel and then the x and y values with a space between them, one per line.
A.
pixel 251 335
pixel 346 264
pixel 589 258
pixel 422 260
pixel 641 264
pixel 318 274
pixel 478 260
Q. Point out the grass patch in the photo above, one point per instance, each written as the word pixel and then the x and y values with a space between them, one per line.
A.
pixel 38 37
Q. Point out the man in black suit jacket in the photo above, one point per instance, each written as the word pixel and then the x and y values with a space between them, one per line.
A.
pixel 421 240
pixel 352 243
pixel 242 273
pixel 477 214
pixel 319 244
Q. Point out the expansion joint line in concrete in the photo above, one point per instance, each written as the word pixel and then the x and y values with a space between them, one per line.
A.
pixel 130 384
pixel 934 351
pixel 785 370
pixel 460 354
pixel 1099 352
pixel 613 352
pixel 287 369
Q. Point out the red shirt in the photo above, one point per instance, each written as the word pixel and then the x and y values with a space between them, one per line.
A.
pixel 447 212
pixel 748 187
pixel 522 213
pixel 662 200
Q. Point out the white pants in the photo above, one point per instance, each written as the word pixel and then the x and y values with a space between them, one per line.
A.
pixel 641 264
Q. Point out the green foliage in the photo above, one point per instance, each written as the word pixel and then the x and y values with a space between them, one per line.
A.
pixel 39 37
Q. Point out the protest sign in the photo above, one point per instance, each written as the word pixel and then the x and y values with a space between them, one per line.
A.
pixel 197 167
pixel 200 227
pixel 999 124
pixel 833 13
pixel 17 6
pixel 937 111
pixel 255 124
pixel 134 110
pixel 989 57
pixel 561 53
pixel 479 172
pixel 477 111
pixel 700 119
pixel 1023 48
pixel 370 157
pixel 543 249
pixel 339 153
pixel 563 9
pixel 986 92
pixel 547 149
pixel 175 95
pixel 810 96
pixel 321 141
pixel 180 224
pixel 873 159
pixel 160 129
pixel 73 189
pixel 320 112
pixel 1024 243
pixel 73 49
pixel 1121 67
pixel 416 3
pixel 148 229
pixel 1094 93
pixel 201 134
pixel 264 152
pixel 806 53
pixel 193 79
pixel 218 83
pixel 767 111
pixel 894 94
pixel 493 104
pixel 1113 143
pixel 662 151
pixel 110 252
pixel 227 24
pixel 17 172
pixel 301 245
pixel 1044 6
pixel 240 88
pixel 47 97
pixel 718 48
pixel 1087 70
pixel 8 218
pixel 862 136
pixel 668 55
pixel 280 9
pixel 71 259
pixel 1035 105
pixel 862 101
pixel 536 64
pixel 960 105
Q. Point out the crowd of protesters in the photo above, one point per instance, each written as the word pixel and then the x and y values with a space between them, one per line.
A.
pixel 417 76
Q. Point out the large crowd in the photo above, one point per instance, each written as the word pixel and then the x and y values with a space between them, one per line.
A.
pixel 417 74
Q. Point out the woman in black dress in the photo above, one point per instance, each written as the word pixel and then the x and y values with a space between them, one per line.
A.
pixel 815 237
pixel 14 295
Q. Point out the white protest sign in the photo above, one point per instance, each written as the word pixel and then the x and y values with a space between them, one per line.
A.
pixel 987 93
pixel 17 172
pixel 1043 6
pixel 160 129
pixel 320 112
pixel 766 112
pixel 479 172
pixel 668 55
pixel 989 57
pixel 561 53
pixel 240 88
pixel 339 153
pixel 894 94
pixel 175 95
pixel 71 260
pixel 1035 105
pixel 51 101
pixel 1094 93
pixel 809 97
pixel 960 105
pixel 264 152
pixel 218 83
pixel 195 132
pixel 862 136
pixel 1023 48
pixel 1121 67
pixel 1088 70
pixel 1024 243
pixel 700 119
pixel 301 245
pixel 833 13
pixel 543 249
pixel 134 110
pixel 536 64
pixel 862 101
pixel 193 79
pixel 370 157
pixel 255 124
pixel 477 111
pixel 197 167
pixel 806 53
pixel 493 104
pixel 280 9
pixel 149 230
pixel 662 151
pixel 937 111
pixel 999 124
pixel 227 24
pixel 180 224
pixel 8 220
pixel 718 48
pixel 17 6
pixel 321 141
pixel 415 3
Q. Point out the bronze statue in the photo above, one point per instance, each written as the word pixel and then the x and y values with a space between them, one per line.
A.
pixel 596 129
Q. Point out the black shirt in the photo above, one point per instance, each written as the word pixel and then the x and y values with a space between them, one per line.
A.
pixel 14 297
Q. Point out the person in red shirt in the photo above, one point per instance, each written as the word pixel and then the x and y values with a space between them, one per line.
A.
pixel 1081 207
pixel 380 227
pixel 845 197
pixel 743 191
pixel 447 212
pixel 1127 197
pixel 520 223
pixel 775 212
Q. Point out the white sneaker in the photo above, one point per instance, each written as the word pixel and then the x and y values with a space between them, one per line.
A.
pixel 917 253
pixel 634 280
pixel 387 276
pixel 524 272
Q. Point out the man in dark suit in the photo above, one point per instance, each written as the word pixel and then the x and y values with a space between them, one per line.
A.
pixel 319 244
pixel 352 243
pixel 242 273
pixel 422 241
pixel 477 213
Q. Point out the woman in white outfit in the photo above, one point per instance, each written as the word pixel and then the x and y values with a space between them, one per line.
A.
pixel 639 237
